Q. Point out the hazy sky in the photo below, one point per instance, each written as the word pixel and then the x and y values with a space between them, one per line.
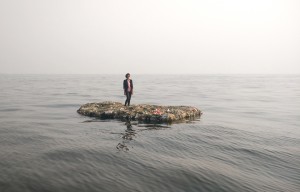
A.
pixel 153 36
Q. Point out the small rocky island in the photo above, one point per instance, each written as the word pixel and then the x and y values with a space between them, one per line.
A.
pixel 142 112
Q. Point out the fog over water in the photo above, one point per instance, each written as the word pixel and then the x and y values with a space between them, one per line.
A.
pixel 169 36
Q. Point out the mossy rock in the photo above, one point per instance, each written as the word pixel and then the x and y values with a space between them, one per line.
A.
pixel 142 112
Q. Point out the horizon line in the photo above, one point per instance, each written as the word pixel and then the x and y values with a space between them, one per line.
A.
pixel 150 73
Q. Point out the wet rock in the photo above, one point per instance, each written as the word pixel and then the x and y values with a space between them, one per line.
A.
pixel 141 112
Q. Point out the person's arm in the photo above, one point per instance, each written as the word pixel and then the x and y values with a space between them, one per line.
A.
pixel 131 87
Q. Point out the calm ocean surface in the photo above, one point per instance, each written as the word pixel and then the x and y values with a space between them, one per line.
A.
pixel 248 138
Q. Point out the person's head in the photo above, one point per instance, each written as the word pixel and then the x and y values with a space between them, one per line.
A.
pixel 127 75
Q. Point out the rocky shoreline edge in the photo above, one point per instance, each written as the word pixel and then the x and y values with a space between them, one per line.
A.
pixel 142 112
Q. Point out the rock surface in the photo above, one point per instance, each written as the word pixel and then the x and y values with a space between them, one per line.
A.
pixel 142 112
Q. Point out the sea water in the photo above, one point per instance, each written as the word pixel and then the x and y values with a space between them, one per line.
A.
pixel 248 138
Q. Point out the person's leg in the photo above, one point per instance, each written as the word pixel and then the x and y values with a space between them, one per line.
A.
pixel 128 98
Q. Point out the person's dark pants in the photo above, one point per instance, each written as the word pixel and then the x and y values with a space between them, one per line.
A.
pixel 128 97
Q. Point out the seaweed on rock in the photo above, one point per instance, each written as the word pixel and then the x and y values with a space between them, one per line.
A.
pixel 142 112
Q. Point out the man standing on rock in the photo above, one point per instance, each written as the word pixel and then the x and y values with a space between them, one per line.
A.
pixel 128 88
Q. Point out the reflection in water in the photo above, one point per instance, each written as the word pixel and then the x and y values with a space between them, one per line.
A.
pixel 131 133
pixel 122 146
pixel 153 126
pixel 128 135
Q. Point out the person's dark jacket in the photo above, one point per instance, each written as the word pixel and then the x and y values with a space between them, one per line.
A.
pixel 125 85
